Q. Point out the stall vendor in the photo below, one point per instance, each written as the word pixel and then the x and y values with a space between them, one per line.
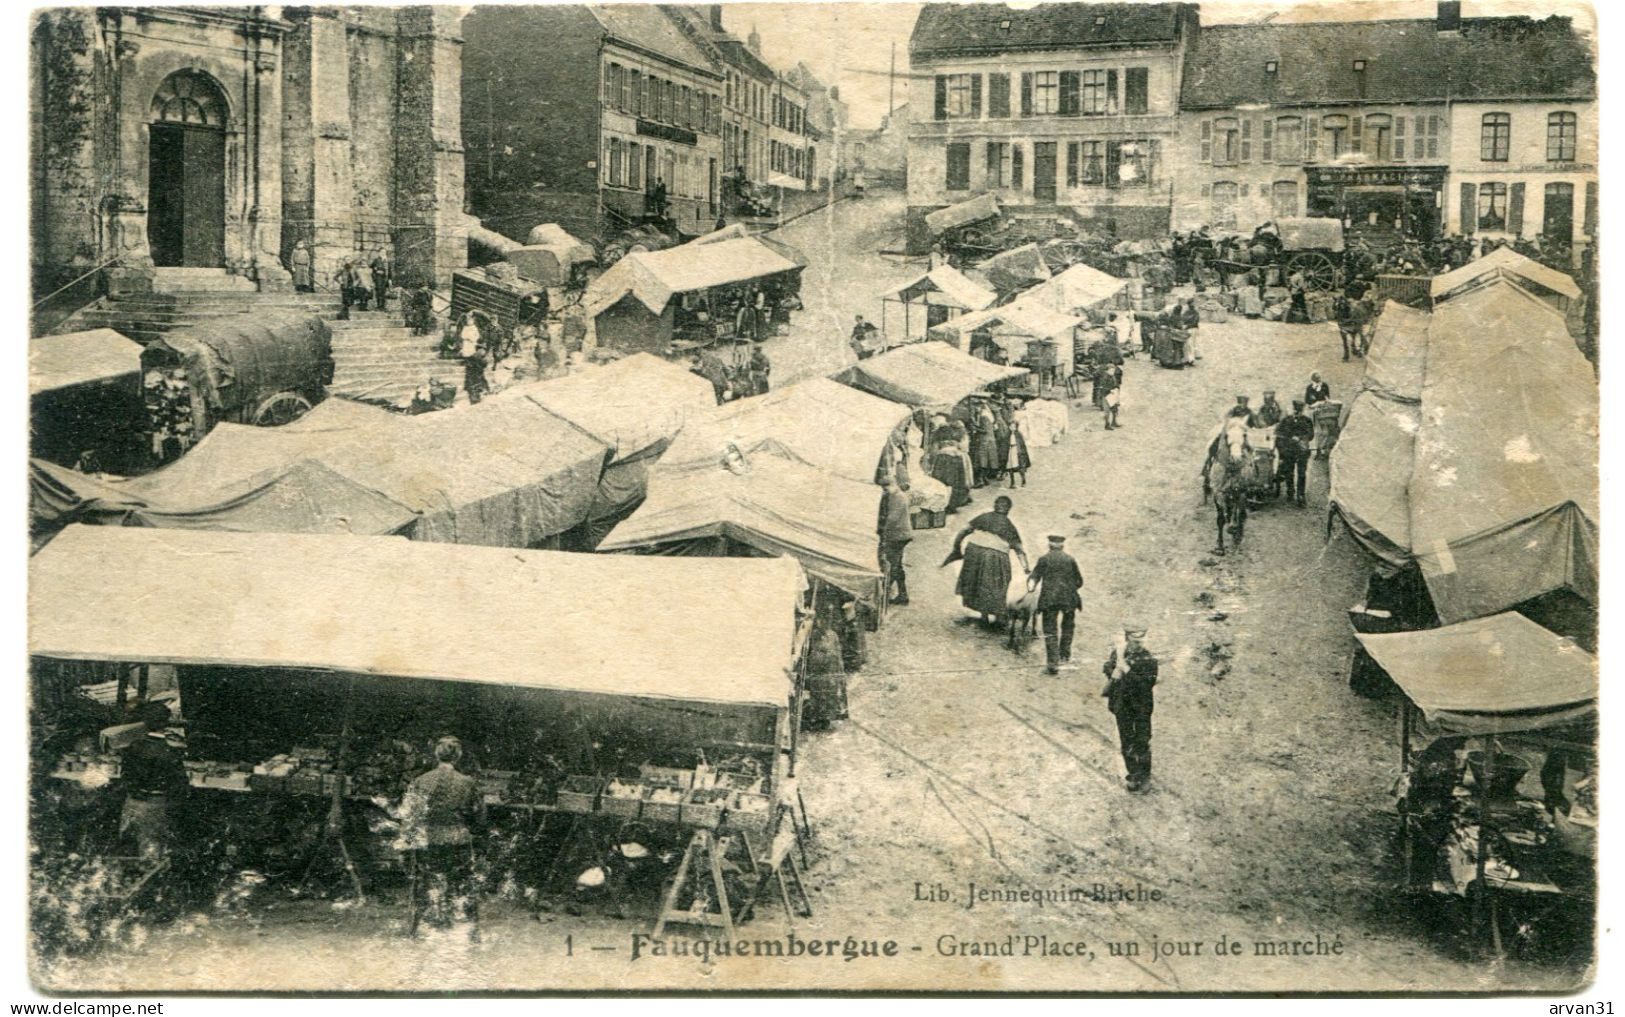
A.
pixel 154 779
pixel 441 814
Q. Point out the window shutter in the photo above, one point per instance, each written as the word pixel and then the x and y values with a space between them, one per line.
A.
pixel 1111 91
pixel 993 159
pixel 1515 210
pixel 1469 208
pixel 1072 164
pixel 1591 208
pixel 942 98
pixel 1267 142
pixel 1207 141
pixel 1433 137
pixel 1114 162
pixel 1069 93
pixel 1247 140
pixel 976 96
pixel 1244 189
pixel 1026 93
pixel 1354 133
pixel 1015 166
pixel 1399 139
pixel 1311 139
pixel 998 95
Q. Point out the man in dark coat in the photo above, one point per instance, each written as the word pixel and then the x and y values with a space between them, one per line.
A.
pixel 1268 413
pixel 894 531
pixel 381 280
pixel 1058 601
pixel 154 780
pixel 1292 438
pixel 1131 674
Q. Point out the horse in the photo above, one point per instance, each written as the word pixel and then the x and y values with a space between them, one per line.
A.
pixel 1224 478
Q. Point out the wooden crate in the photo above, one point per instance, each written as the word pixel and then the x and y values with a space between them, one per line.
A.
pixel 748 812
pixel 579 794
pixel 627 806
pixel 704 808
pixel 925 519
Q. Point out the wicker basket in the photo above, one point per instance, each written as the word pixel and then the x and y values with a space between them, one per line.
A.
pixel 623 805
pixel 704 807
pixel 748 812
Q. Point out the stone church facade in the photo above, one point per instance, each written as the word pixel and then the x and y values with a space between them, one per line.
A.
pixel 217 138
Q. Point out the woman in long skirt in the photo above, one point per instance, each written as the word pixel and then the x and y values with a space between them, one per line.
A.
pixel 985 547
pixel 984 450
pixel 1016 459
pixel 948 468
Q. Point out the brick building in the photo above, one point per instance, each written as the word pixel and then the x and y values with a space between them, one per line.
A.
pixel 574 114
pixel 216 137
pixel 1057 106
pixel 1418 126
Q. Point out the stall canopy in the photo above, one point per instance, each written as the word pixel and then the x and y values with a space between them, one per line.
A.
pixel 983 206
pixel 1310 233
pixel 1015 269
pixel 1490 483
pixel 925 374
pixel 654 277
pixel 823 424
pixel 635 405
pixel 778 505
pixel 1399 344
pixel 503 473
pixel 1503 263
pixel 81 358
pixel 952 289
pixel 1078 288
pixel 786 182
pixel 386 606
pixel 1489 675
pixel 1013 327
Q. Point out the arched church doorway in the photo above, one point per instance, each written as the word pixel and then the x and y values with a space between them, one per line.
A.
pixel 186 178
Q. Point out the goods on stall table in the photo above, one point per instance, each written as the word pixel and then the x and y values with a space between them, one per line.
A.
pixel 623 798
pixel 579 794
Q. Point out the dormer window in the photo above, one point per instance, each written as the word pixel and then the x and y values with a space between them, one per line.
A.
pixel 1099 22
pixel 1271 66
pixel 1004 26
pixel 1359 66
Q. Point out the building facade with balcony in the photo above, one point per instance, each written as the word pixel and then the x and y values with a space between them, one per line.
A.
pixel 1059 106
pixel 623 103
pixel 1388 125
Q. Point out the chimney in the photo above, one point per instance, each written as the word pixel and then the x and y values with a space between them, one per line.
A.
pixel 754 42
pixel 716 18
pixel 1449 19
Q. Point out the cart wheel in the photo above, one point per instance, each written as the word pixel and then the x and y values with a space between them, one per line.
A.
pixel 1318 270
pixel 1063 253
pixel 282 408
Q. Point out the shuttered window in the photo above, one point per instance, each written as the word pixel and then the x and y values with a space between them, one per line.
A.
pixel 941 105
pixel 1072 164
pixel 1266 141
pixel 1515 210
pixel 1591 208
pixel 1015 166
pixel 1111 91
pixel 998 95
pixel 1207 141
pixel 1399 139
pixel 1069 93
pixel 1469 208
pixel 1092 93
pixel 1136 90
pixel 958 176
pixel 1247 140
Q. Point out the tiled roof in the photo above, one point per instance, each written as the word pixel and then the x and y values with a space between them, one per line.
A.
pixel 1405 61
pixel 962 29
pixel 650 29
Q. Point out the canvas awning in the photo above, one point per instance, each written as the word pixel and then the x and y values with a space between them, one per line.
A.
pixel 1077 288
pixel 786 182
pixel 779 506
pixel 1499 461
pixel 925 374
pixel 1399 343
pixel 81 358
pixel 1499 263
pixel 380 605
pixel 1491 675
pixel 1310 234
pixel 633 405
pixel 1015 268
pixel 953 287
pixel 826 425
pixel 983 206
pixel 654 277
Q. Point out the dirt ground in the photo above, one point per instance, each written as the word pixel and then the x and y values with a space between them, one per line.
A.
pixel 963 763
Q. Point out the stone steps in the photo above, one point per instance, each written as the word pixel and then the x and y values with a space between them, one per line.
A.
pixel 192 280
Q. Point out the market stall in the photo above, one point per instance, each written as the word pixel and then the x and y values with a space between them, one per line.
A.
pixel 1550 285
pixel 85 405
pixel 1025 333
pixel 928 300
pixel 1014 270
pixel 690 296
pixel 1080 290
pixel 1497 805
pixel 926 374
pixel 328 689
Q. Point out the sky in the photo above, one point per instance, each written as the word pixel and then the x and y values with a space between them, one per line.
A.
pixel 851 44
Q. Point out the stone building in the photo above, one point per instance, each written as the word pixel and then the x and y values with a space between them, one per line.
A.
pixel 1417 126
pixel 1056 106
pixel 214 138
pixel 575 114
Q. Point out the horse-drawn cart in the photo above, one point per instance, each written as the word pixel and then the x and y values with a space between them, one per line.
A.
pixel 1310 248
pixel 1239 475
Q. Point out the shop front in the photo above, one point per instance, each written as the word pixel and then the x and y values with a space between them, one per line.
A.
pixel 1379 202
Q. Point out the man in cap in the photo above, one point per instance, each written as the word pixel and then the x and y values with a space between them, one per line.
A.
pixel 1058 601
pixel 440 814
pixel 1241 409
pixel 1131 674
pixel 1292 438
pixel 895 530
pixel 1268 414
